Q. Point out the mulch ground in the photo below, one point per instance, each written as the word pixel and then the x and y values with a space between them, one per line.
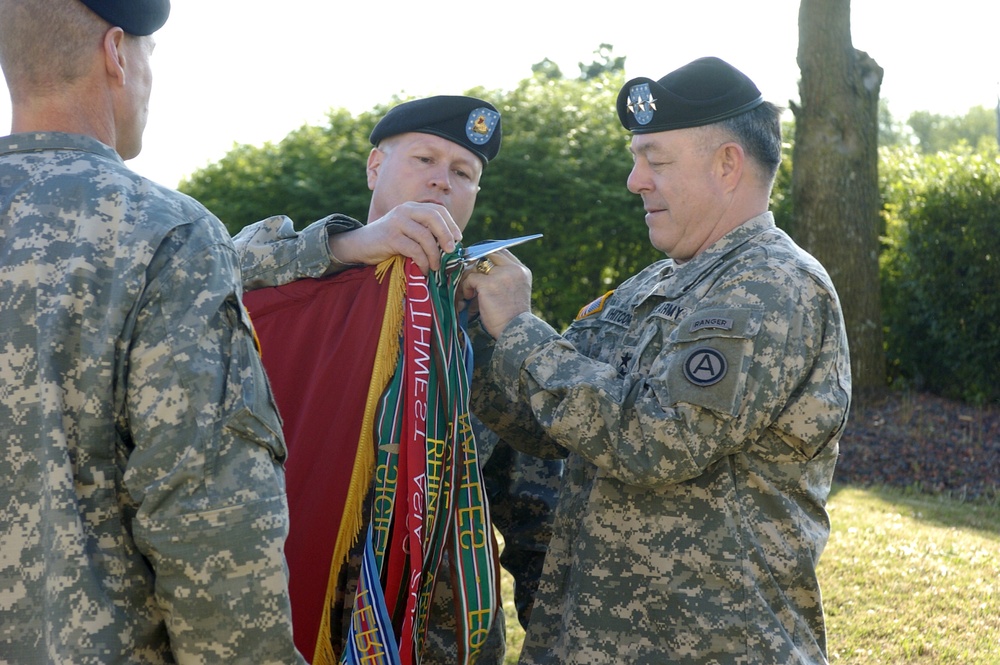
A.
pixel 923 442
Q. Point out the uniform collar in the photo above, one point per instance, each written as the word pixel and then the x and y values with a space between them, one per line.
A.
pixel 676 279
pixel 39 141
pixel 727 243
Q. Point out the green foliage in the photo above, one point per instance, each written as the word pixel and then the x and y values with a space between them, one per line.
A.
pixel 547 69
pixel 605 64
pixel 937 132
pixel 312 172
pixel 940 271
pixel 781 192
pixel 890 131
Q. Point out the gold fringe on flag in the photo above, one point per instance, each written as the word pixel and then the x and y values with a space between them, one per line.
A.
pixel 364 461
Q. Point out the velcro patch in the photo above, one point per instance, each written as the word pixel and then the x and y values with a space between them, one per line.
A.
pixel 594 307
pixel 721 323
pixel 704 366
pixel 709 363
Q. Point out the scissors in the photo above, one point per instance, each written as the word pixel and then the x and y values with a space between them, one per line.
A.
pixel 479 250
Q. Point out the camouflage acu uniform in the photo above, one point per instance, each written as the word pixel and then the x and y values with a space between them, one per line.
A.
pixel 701 406
pixel 273 253
pixel 522 489
pixel 143 509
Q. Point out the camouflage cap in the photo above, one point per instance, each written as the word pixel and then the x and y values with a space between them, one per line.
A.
pixel 470 122
pixel 136 17
pixel 699 93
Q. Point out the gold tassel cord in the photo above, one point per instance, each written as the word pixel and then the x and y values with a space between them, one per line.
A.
pixel 364 461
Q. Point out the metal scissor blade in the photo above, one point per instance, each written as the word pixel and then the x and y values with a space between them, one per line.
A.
pixel 484 248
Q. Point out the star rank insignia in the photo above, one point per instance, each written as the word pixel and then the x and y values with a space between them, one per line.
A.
pixel 623 364
pixel 641 103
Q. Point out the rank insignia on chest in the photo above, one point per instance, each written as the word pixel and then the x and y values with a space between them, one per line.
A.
pixel 624 363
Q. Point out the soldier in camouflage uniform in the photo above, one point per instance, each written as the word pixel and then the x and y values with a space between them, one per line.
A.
pixel 142 512
pixel 699 405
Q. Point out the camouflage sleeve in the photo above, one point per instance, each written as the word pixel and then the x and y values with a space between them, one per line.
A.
pixel 514 421
pixel 667 425
pixel 272 252
pixel 205 469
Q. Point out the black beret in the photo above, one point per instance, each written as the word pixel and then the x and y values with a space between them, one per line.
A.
pixel 699 93
pixel 136 17
pixel 471 123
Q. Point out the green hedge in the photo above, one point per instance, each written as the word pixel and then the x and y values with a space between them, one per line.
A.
pixel 940 271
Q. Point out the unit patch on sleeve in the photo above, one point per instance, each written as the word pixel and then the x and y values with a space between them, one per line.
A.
pixel 709 365
pixel 705 366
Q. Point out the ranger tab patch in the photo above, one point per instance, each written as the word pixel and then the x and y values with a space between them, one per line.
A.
pixel 717 322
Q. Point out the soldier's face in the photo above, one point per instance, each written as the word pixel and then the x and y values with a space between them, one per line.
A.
pixel 424 168
pixel 675 173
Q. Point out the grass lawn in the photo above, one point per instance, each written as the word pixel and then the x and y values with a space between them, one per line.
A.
pixel 906 578
pixel 911 578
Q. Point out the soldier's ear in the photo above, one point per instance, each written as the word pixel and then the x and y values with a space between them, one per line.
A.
pixel 729 163
pixel 375 158
pixel 114 55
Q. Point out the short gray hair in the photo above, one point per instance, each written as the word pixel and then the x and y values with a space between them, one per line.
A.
pixel 758 131
pixel 42 43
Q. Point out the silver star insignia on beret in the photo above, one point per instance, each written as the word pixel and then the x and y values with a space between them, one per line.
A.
pixel 640 104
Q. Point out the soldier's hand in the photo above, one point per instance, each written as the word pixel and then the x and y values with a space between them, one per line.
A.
pixel 420 231
pixel 500 288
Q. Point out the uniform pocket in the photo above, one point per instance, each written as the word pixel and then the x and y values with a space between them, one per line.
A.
pixel 250 406
pixel 711 354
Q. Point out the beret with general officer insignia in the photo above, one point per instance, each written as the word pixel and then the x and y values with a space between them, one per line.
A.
pixel 136 17
pixel 470 122
pixel 701 92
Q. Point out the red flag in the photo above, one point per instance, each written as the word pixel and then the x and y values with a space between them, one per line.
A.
pixel 319 341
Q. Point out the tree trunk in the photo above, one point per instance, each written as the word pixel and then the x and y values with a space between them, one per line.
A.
pixel 835 195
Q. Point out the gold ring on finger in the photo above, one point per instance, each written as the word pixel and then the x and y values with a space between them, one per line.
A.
pixel 484 266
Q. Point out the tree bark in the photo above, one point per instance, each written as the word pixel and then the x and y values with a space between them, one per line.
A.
pixel 835 195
